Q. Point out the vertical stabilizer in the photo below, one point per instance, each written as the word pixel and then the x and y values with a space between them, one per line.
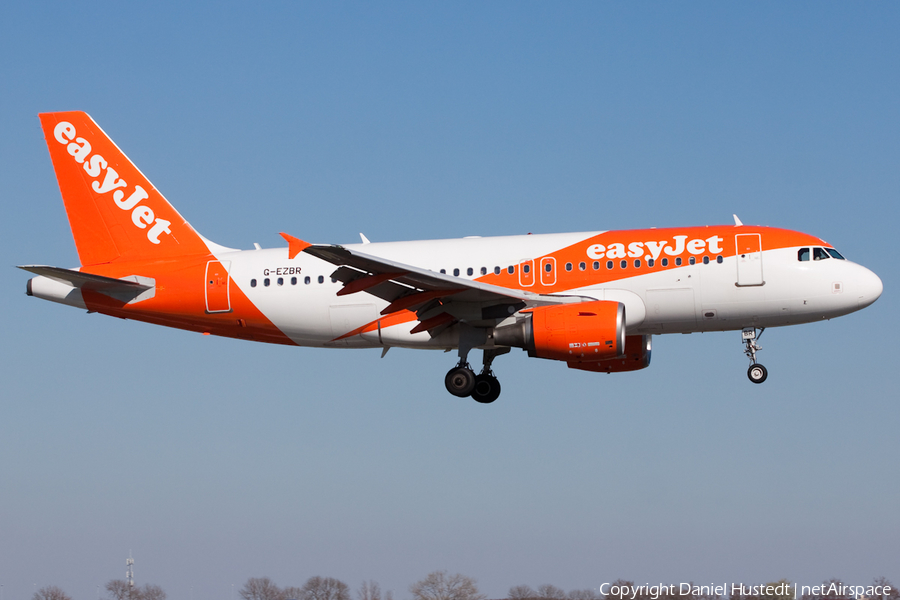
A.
pixel 114 211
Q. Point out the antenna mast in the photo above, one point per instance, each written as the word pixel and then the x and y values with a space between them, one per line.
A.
pixel 129 574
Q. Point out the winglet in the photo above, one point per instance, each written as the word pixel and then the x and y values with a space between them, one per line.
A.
pixel 737 222
pixel 295 246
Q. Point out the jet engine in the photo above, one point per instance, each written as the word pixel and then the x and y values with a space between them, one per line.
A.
pixel 585 332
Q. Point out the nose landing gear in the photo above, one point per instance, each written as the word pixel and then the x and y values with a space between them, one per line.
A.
pixel 757 373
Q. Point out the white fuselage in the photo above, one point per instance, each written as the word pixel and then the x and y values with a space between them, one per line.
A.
pixel 699 297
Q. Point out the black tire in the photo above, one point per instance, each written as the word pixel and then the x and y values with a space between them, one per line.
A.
pixel 460 381
pixel 757 373
pixel 486 389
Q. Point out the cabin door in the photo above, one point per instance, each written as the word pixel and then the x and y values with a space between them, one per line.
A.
pixel 218 282
pixel 749 259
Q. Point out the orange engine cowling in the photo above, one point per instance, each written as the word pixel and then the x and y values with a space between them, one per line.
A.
pixel 637 356
pixel 582 332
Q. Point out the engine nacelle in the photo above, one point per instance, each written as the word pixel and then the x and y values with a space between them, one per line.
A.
pixel 581 332
pixel 637 356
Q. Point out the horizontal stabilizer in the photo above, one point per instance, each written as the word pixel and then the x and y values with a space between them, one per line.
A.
pixel 87 280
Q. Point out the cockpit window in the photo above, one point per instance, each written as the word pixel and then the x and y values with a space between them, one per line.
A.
pixel 820 254
pixel 834 253
pixel 803 254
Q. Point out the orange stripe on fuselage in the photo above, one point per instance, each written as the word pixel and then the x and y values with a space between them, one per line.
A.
pixel 772 238
pixel 180 301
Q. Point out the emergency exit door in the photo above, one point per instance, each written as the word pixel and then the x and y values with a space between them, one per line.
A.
pixel 749 259
pixel 218 285
pixel 526 272
pixel 548 271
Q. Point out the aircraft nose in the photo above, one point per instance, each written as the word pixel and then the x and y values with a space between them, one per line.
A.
pixel 869 287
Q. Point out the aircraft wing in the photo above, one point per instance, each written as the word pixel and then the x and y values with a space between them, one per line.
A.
pixel 435 297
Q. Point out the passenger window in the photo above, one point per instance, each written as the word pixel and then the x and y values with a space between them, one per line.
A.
pixel 281 281
pixel 568 266
pixel 650 262
pixel 444 271
pixel 719 259
pixel 293 281
pixel 469 271
pixel 484 270
pixel 496 270
pixel 548 267
pixel 623 264
pixel 582 266
pixel 637 263
pixel 803 254
pixel 266 282
pixel 834 253
pixel 678 262
pixel 456 272
pixel 609 264
pixel 705 260
pixel 321 279
pixel 596 265
pixel 526 268
pixel 692 260
pixel 665 262
pixel 820 254
pixel 252 283
pixel 511 269
pixel 306 280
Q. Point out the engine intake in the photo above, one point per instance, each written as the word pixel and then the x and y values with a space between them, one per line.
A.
pixel 582 332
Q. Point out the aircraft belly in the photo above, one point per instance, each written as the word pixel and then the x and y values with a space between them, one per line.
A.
pixel 399 335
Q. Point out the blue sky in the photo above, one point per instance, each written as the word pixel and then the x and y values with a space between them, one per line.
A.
pixel 215 460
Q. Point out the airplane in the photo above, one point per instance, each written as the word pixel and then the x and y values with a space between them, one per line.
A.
pixel 592 300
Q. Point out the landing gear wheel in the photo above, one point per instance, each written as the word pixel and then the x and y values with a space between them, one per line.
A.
pixel 486 390
pixel 460 381
pixel 757 373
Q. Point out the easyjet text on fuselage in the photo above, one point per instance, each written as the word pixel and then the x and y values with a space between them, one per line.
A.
pixel 653 249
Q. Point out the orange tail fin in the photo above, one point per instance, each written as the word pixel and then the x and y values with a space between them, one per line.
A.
pixel 114 211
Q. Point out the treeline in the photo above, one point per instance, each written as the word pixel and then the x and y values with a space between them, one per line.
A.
pixel 117 589
pixel 441 585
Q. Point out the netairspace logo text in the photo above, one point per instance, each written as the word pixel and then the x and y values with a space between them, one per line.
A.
pixel 782 590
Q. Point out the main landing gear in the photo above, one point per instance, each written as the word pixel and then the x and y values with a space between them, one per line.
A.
pixel 462 381
pixel 757 373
